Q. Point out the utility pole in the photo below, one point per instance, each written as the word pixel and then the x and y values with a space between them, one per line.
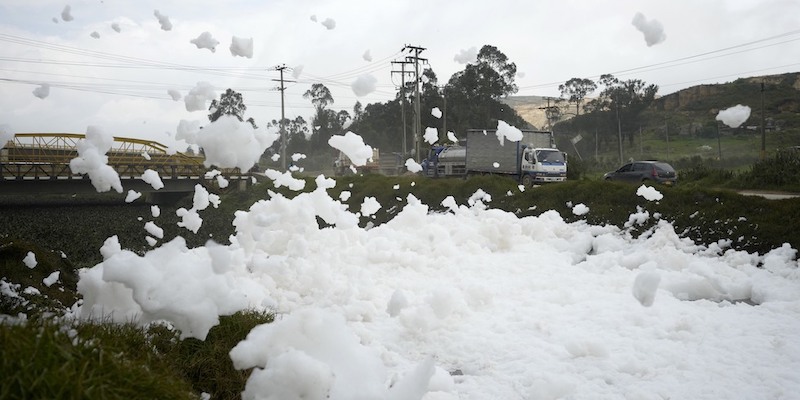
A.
pixel 418 117
pixel 666 131
pixel 552 113
pixel 619 133
pixel 403 73
pixel 641 149
pixel 763 135
pixel 444 114
pixel 547 114
pixel 282 88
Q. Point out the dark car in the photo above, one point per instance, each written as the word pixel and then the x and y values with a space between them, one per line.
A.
pixel 644 171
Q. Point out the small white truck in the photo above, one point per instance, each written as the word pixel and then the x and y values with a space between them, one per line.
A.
pixel 534 159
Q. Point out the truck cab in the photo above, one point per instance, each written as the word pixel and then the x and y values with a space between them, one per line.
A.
pixel 541 165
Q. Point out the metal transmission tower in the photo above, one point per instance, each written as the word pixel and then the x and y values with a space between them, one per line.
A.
pixel 281 68
pixel 415 59
pixel 403 73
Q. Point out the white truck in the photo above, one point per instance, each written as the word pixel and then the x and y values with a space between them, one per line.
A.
pixel 534 159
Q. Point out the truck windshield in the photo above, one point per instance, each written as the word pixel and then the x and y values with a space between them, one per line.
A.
pixel 549 156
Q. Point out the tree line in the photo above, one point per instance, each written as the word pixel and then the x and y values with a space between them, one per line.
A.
pixel 471 98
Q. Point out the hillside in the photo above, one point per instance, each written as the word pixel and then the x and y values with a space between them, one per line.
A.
pixel 681 127
pixel 781 97
pixel 530 108
pixel 780 93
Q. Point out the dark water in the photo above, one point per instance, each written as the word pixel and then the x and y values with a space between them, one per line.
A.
pixel 78 226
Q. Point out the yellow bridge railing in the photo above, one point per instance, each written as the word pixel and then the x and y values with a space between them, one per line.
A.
pixel 47 156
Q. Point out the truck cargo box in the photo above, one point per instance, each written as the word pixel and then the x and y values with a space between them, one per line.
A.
pixel 485 152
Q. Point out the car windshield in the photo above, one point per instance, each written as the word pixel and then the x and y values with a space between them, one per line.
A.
pixel 549 156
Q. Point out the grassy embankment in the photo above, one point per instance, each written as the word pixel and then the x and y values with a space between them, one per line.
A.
pixel 48 358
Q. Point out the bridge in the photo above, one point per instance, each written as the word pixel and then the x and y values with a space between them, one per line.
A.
pixel 35 163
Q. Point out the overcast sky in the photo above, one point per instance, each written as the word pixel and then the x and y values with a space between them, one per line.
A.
pixel 111 62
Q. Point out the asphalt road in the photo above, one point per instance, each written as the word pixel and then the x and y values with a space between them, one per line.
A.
pixel 769 195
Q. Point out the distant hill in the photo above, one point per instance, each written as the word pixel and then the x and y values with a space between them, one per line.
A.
pixel 781 94
pixel 781 100
pixel 530 108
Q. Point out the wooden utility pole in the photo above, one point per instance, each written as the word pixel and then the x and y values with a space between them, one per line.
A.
pixel 417 107
pixel 619 133
pixel 403 73
pixel 763 134
pixel 444 114
pixel 282 88
pixel 666 131
pixel 548 114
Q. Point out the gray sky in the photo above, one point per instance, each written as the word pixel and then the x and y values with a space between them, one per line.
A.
pixel 119 80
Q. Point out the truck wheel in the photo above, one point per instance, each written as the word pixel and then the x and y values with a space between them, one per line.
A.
pixel 527 181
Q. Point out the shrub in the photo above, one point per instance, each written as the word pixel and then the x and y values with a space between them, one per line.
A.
pixel 576 168
pixel 781 171
pixel 206 363
pixel 43 359
pixel 705 174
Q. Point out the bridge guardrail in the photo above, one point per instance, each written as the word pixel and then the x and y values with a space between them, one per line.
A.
pixel 47 156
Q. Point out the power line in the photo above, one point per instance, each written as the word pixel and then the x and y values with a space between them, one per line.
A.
pixel 733 75
pixel 676 62
pixel 146 89
pixel 717 51
pixel 372 67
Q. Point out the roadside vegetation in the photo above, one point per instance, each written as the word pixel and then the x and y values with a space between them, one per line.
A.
pixel 48 356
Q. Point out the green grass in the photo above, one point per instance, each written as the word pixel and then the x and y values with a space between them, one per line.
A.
pixel 47 359
pixel 206 363
pixel 43 358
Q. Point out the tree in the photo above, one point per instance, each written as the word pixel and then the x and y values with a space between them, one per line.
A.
pixel 628 98
pixel 324 122
pixel 320 96
pixel 230 103
pixel 342 117
pixel 358 111
pixel 473 95
pixel 381 126
pixel 497 62
pixel 296 135
pixel 576 89
pixel 430 97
